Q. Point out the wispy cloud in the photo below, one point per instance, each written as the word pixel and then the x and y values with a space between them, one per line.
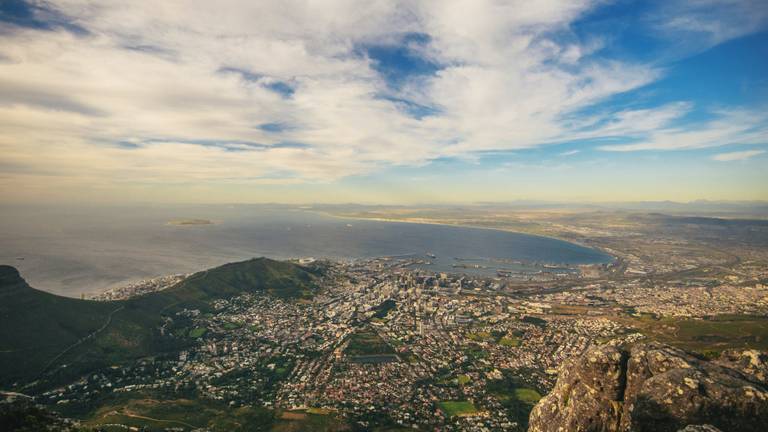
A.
pixel 702 24
pixel 728 128
pixel 737 156
pixel 569 153
pixel 361 84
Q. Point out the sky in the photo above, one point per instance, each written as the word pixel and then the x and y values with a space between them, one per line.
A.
pixel 383 101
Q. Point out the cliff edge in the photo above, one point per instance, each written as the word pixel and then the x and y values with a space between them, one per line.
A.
pixel 655 387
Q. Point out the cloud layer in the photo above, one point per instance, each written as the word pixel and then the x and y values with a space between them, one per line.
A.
pixel 737 156
pixel 308 91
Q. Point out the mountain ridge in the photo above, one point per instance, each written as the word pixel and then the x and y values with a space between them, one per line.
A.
pixel 40 331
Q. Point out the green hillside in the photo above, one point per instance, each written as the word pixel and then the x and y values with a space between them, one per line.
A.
pixel 36 326
pixel 40 332
pixel 278 278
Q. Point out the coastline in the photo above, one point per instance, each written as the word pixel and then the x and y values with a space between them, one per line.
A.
pixel 459 225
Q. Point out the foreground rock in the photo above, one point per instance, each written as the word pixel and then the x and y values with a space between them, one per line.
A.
pixel 654 387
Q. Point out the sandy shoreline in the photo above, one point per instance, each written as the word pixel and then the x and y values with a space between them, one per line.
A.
pixel 460 225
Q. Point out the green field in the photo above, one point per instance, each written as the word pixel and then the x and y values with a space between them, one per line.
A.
pixel 232 326
pixel 463 379
pixel 510 341
pixel 517 397
pixel 476 353
pixel 197 332
pixel 457 408
pixel 481 336
pixel 527 395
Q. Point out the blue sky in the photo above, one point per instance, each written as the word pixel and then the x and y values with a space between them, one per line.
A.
pixel 383 101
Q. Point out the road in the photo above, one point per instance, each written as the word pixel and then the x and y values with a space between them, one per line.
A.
pixel 83 339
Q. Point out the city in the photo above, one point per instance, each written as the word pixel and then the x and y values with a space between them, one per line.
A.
pixel 385 342
pixel 383 216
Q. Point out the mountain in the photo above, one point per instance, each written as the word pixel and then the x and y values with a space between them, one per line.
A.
pixel 655 387
pixel 40 332
pixel 278 278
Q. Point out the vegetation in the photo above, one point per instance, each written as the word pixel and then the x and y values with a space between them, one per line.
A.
pixel 232 326
pixel 313 419
pixel 463 379
pixel 40 331
pixel 367 342
pixel 457 408
pixel 35 327
pixel 383 309
pixel 277 278
pixel 476 353
pixel 510 341
pixel 527 395
pixel 197 332
pixel 705 336
pixel 23 415
pixel 534 320
pixel 516 396
pixel 480 336
pixel 158 414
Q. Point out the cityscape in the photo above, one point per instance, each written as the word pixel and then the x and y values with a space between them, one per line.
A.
pixel 383 216
pixel 385 343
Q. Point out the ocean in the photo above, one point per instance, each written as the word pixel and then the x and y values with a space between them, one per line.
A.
pixel 86 250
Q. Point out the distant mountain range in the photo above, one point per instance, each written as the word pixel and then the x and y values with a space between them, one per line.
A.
pixel 48 336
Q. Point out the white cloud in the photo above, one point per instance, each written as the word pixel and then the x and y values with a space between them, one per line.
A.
pixel 150 74
pixel 737 156
pixel 730 127
pixel 698 25
pixel 569 153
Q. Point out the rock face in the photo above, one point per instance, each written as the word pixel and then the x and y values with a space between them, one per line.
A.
pixel 751 362
pixel 654 387
pixel 700 428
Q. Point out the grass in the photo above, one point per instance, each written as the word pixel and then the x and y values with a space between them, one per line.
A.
pixel 527 395
pixel 457 408
pixel 197 332
pixel 515 396
pixel 705 335
pixel 232 326
pixel 481 336
pixel 463 379
pixel 510 341
pixel 159 414
pixel 476 353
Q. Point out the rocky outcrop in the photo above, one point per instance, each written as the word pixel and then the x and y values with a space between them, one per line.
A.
pixel 700 428
pixel 751 362
pixel 653 387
